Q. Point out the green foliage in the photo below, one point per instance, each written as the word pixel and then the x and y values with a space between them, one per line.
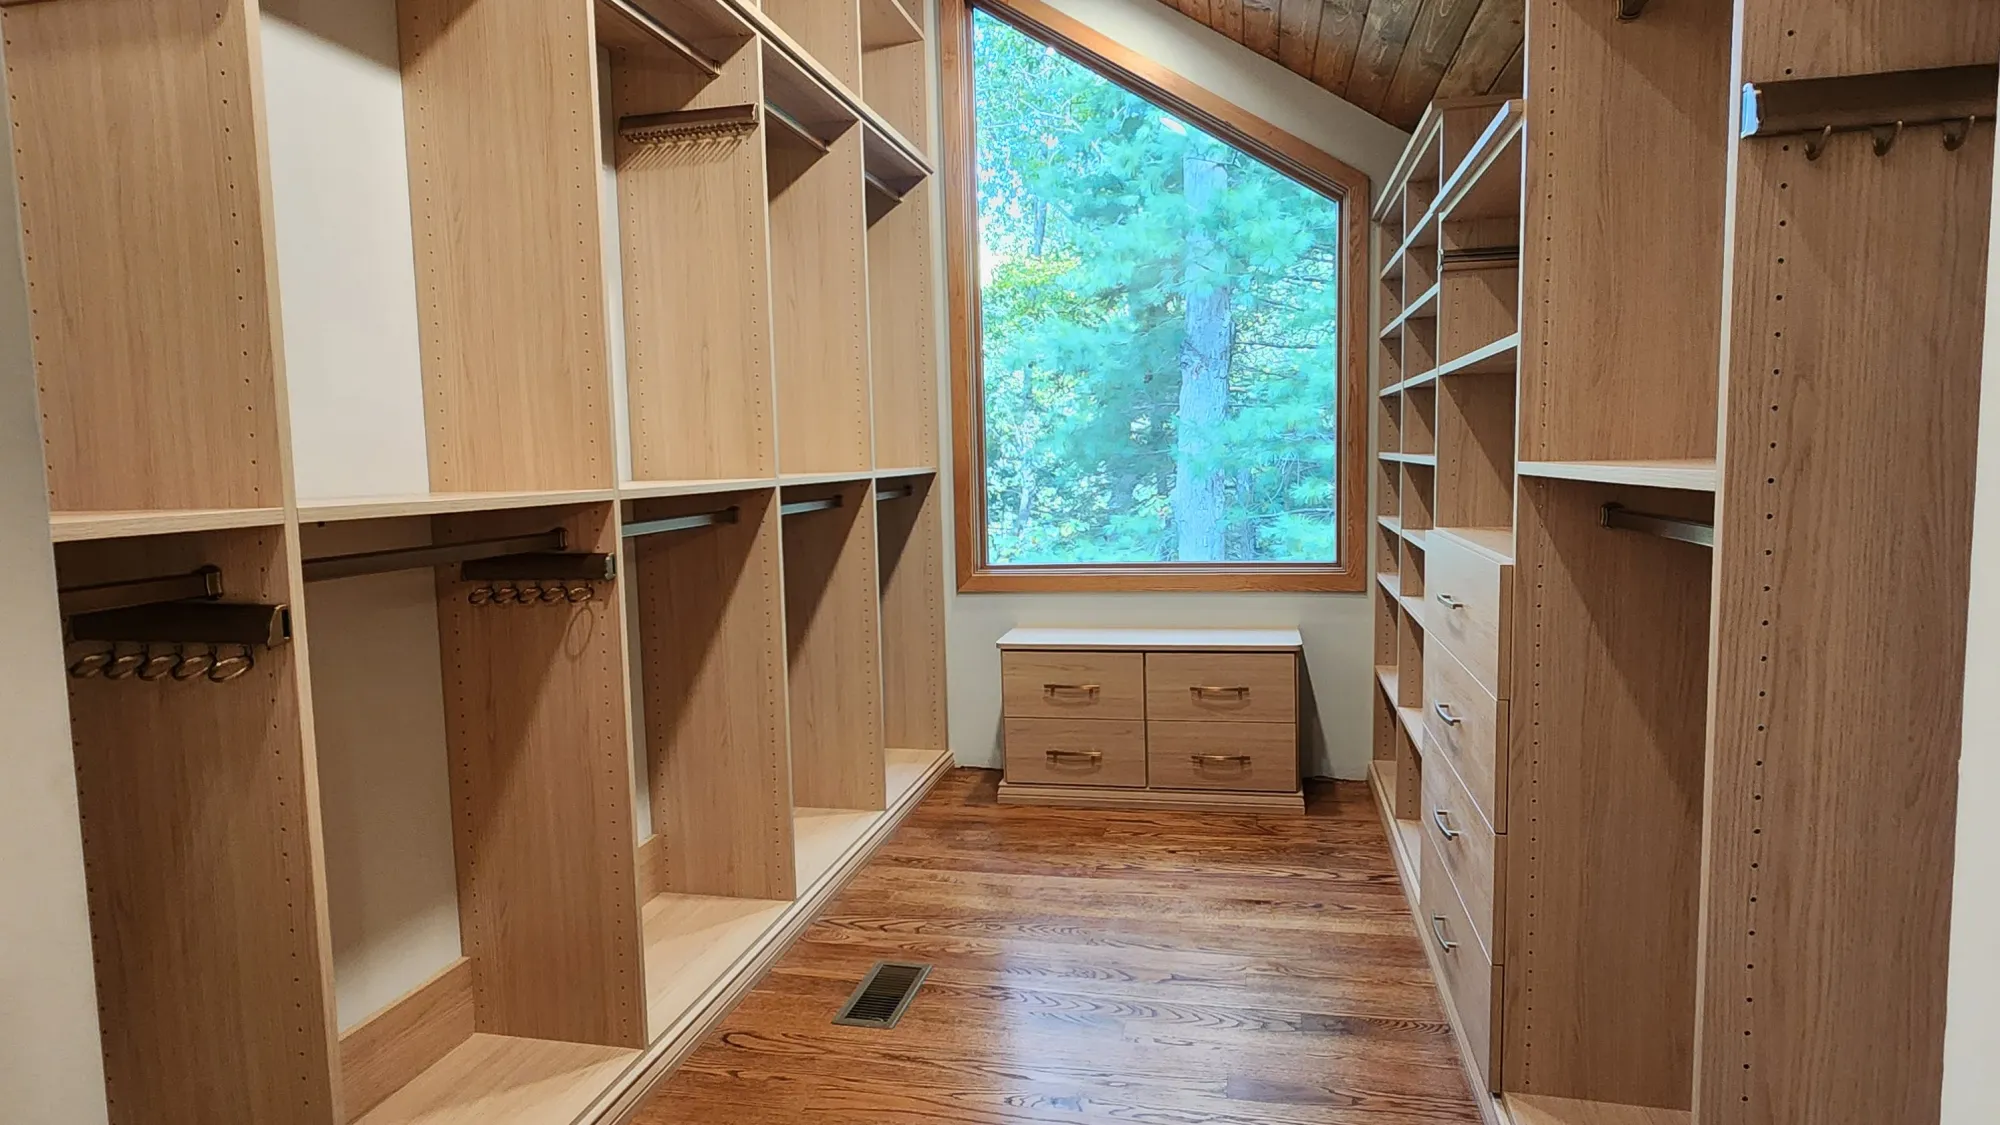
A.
pixel 1091 252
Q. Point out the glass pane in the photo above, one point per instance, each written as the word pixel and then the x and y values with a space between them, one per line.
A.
pixel 1160 329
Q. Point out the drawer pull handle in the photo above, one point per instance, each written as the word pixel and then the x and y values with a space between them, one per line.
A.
pixel 1443 821
pixel 1051 690
pixel 1199 690
pixel 1445 713
pixel 1449 602
pixel 1220 759
pixel 1437 931
pixel 1090 757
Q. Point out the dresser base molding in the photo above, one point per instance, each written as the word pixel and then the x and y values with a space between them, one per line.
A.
pixel 1107 797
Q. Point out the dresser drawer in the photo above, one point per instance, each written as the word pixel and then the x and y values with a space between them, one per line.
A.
pixel 1466 977
pixel 1250 757
pixel 1077 685
pixel 1468 610
pixel 1466 726
pixel 1467 849
pixel 1076 752
pixel 1248 687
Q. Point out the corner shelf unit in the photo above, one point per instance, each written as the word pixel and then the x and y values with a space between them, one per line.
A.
pixel 1645 700
pixel 518 586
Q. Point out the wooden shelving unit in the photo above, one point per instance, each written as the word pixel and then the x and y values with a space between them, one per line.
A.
pixel 528 727
pixel 1653 750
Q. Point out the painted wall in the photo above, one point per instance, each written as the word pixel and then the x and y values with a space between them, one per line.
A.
pixel 51 1064
pixel 1337 628
pixel 1972 1020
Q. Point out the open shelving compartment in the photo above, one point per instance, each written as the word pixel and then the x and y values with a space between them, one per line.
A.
pixel 467 688
pixel 910 532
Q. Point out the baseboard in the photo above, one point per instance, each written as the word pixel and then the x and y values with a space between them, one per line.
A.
pixel 659 1061
pixel 1101 797
pixel 385 1052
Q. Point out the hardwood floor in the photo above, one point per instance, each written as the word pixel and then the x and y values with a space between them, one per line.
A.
pixel 1100 966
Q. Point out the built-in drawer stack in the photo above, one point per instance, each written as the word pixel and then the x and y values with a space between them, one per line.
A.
pixel 1464 810
pixel 1195 718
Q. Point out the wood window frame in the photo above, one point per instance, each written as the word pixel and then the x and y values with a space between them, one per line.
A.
pixel 1282 150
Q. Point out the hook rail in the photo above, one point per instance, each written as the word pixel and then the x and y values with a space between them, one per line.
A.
pixel 205 583
pixel 1621 518
pixel 424 558
pixel 899 492
pixel 690 126
pixel 681 523
pixel 1955 97
pixel 801 507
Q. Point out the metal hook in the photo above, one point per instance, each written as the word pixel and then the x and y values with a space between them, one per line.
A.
pixel 527 593
pixel 156 665
pixel 1815 148
pixel 552 594
pixel 1953 141
pixel 227 668
pixel 194 664
pixel 89 664
pixel 123 664
pixel 480 595
pixel 505 595
pixel 1886 137
pixel 580 593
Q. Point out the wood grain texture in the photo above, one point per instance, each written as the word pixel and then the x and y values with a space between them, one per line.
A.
pixel 213 961
pixel 1837 695
pixel 1636 385
pixel 1085 963
pixel 1475 439
pixel 500 1080
pixel 73 527
pixel 1492 41
pixel 1466 975
pixel 1801 39
pixel 1473 856
pixel 1434 44
pixel 1248 757
pixel 1475 745
pixel 389 1049
pixel 138 145
pixel 541 783
pixel 692 943
pixel 1097 685
pixel 912 563
pixel 1174 800
pixel 903 344
pixel 1113 638
pixel 829 30
pixel 1473 598
pixel 1691 474
pixel 697 284
pixel 1088 752
pixel 820 298
pixel 509 269
pixel 1605 787
pixel 1222 686
pixel 1530 1109
pixel 833 640
pixel 712 676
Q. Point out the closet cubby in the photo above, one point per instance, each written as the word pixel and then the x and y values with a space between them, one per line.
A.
pixel 903 351
pixel 1475 448
pixel 910 530
pixel 1419 426
pixel 893 64
pixel 1388 486
pixel 1419 486
pixel 828 32
pixel 1388 423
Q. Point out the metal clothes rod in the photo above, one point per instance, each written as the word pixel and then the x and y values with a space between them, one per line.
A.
pixel 654 29
pixel 1480 254
pixel 1666 527
pixel 1942 95
pixel 898 493
pixel 801 507
pixel 681 523
pixel 778 114
pixel 423 558
pixel 881 185
pixel 96 598
pixel 223 623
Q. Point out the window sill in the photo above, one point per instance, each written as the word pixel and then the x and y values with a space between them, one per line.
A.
pixel 1163 580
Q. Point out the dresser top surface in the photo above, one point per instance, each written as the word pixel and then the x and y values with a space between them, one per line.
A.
pixel 1155 640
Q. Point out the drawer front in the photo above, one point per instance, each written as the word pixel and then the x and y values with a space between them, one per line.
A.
pixel 1077 752
pixel 1466 976
pixel 1468 611
pixel 1244 687
pixel 1075 685
pixel 1247 757
pixel 1466 725
pixel 1468 849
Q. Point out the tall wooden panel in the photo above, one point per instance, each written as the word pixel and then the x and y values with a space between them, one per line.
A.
pixel 902 319
pixel 819 279
pixel 833 636
pixel 913 634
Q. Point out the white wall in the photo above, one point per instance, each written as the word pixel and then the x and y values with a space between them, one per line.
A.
pixel 1338 628
pixel 1972 1022
pixel 51 1064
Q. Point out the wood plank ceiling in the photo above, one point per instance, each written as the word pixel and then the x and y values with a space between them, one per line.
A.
pixel 1390 57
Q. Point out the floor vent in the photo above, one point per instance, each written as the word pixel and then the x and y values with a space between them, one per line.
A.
pixel 884 995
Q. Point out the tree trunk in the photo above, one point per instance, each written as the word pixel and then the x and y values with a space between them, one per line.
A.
pixel 1198 497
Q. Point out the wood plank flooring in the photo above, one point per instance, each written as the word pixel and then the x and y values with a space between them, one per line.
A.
pixel 1100 966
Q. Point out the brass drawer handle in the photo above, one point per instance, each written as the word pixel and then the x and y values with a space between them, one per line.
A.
pixel 1058 757
pixel 1449 602
pixel 1219 759
pixel 1443 820
pixel 1437 931
pixel 1445 713
pixel 1051 690
pixel 1199 690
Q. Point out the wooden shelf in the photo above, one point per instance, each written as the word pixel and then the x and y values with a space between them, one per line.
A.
pixel 1413 608
pixel 823 836
pixel 1421 379
pixel 1405 836
pixel 655 489
pixel 1393 583
pixel 1487 185
pixel 1496 543
pixel 75 527
pixel 797 88
pixel 442 503
pixel 789 480
pixel 1414 311
pixel 1692 475
pixel 1155 640
pixel 679 31
pixel 501 1080
pixel 913 471
pixel 1500 357
pixel 692 941
pixel 908 768
pixel 885 23
pixel 1387 676
pixel 1534 1109
pixel 888 161
pixel 1415 537
pixel 1426 459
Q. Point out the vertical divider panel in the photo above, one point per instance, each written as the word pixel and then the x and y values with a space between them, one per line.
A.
pixel 541 782
pixel 198 847
pixel 819 270
pixel 913 636
pixel 903 355
pixel 833 638
pixel 137 138
pixel 712 671
pixel 500 99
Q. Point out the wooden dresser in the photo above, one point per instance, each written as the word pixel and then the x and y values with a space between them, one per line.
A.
pixel 1185 718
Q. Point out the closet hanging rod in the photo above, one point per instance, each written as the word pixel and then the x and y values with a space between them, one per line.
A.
pixel 683 126
pixel 205 583
pixel 681 523
pixel 1943 95
pixel 881 185
pixel 900 492
pixel 792 124
pixel 423 558
pixel 1666 527
pixel 1480 254
pixel 801 507
pixel 661 33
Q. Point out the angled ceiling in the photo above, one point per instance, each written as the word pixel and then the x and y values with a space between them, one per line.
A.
pixel 1390 57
